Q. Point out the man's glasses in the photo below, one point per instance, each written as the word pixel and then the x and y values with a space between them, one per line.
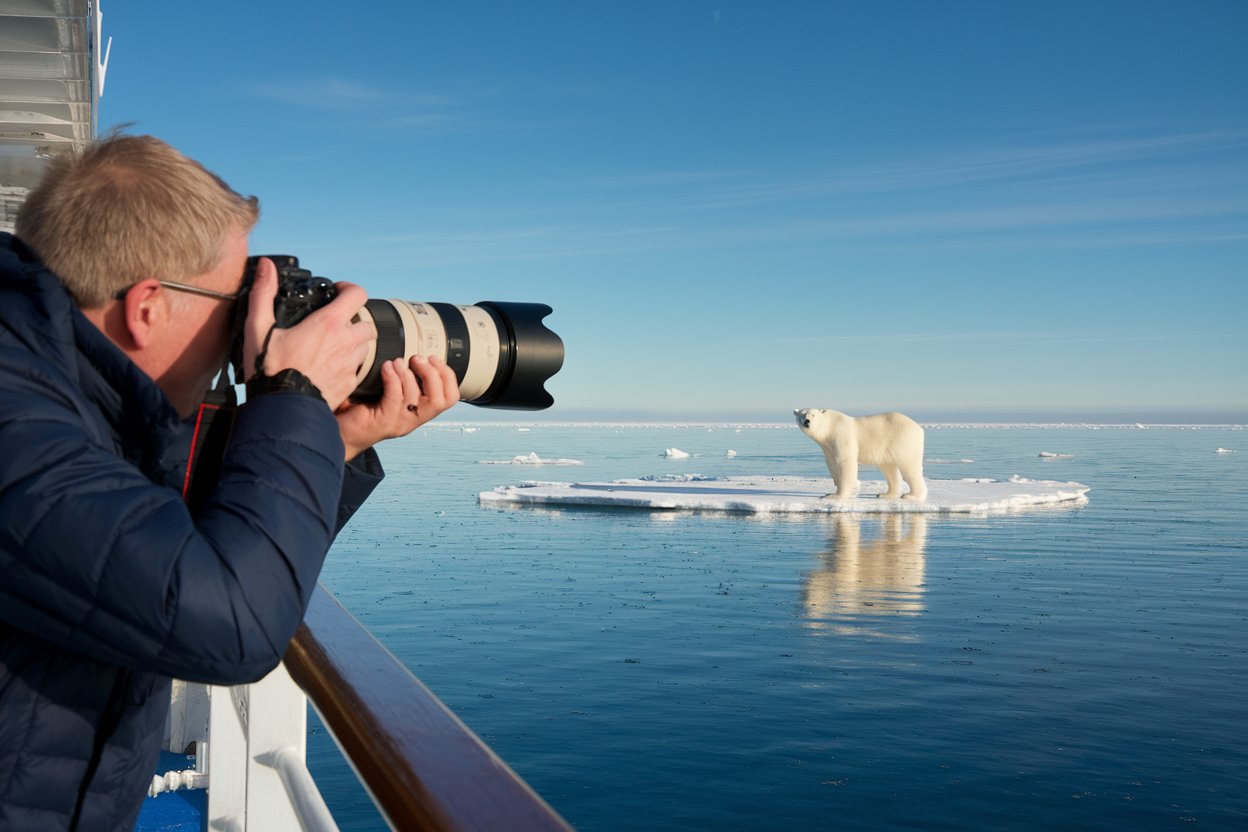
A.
pixel 183 287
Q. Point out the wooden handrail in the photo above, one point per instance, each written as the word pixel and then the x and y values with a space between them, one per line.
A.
pixel 424 768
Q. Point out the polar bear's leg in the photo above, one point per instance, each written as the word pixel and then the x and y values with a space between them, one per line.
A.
pixel 845 475
pixel 914 476
pixel 892 474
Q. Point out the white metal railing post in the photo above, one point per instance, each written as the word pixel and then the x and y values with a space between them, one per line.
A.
pixel 227 771
pixel 421 765
pixel 188 716
pixel 278 730
pixel 251 747
pixel 305 797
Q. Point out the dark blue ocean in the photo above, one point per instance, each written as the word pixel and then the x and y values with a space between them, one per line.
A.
pixel 1081 668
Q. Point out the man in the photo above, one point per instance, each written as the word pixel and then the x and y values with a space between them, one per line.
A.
pixel 116 297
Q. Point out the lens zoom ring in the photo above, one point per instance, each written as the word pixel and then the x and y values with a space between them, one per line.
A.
pixel 390 345
pixel 458 340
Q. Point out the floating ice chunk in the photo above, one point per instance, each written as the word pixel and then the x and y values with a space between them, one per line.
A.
pixel 948 461
pixel 1226 451
pixel 792 495
pixel 530 459
pixel 675 453
pixel 731 453
pixel 1047 455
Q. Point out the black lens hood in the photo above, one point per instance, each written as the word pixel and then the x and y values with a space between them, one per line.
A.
pixel 532 354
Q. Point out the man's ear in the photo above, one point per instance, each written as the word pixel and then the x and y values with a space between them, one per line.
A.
pixel 145 309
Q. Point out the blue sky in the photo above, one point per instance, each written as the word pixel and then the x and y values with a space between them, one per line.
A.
pixel 953 209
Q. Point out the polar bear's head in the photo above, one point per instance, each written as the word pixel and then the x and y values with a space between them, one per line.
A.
pixel 817 423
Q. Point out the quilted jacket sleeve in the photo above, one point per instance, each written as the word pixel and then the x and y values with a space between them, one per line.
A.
pixel 99 560
pixel 362 475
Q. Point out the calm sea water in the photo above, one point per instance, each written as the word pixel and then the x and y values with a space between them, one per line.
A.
pixel 1080 667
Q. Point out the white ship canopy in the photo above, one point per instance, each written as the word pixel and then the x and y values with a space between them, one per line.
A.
pixel 51 79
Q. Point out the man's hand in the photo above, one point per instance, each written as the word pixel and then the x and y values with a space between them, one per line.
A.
pixel 327 346
pixel 412 393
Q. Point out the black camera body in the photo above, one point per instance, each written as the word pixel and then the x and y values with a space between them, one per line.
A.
pixel 299 292
pixel 501 352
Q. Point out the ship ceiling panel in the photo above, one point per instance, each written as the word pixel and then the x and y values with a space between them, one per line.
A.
pixel 44 8
pixel 43 66
pixel 44 91
pixel 41 34
pixel 47 95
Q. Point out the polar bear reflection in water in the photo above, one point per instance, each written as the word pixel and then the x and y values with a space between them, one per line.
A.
pixel 859 584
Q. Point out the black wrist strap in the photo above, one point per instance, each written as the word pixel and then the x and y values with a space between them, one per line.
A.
pixel 264 350
pixel 284 381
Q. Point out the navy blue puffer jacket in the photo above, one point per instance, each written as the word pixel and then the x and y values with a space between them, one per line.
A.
pixel 108 585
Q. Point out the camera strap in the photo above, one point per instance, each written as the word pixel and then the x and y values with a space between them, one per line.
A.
pixel 214 422
pixel 264 351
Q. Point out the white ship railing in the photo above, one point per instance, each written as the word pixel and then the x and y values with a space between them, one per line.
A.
pixel 424 769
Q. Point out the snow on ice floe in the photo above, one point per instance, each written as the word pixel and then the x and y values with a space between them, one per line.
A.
pixel 1226 451
pixel 676 453
pixel 530 459
pixel 790 495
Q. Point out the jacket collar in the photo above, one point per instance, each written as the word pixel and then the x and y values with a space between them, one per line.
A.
pixel 39 311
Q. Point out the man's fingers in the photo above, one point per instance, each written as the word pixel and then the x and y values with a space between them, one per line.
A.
pixel 263 292
pixel 449 383
pixel 410 384
pixel 345 305
pixel 259 312
pixel 393 392
pixel 431 381
pixel 364 332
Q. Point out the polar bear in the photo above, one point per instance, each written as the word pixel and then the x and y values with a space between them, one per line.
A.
pixel 889 440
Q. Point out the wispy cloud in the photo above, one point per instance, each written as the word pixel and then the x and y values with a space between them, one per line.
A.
pixel 371 107
pixel 400 112
pixel 515 244
pixel 1167 189
pixel 1072 226
pixel 1019 166
pixel 322 94
pixel 1185 186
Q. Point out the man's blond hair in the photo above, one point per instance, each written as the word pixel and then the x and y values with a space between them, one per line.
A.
pixel 127 208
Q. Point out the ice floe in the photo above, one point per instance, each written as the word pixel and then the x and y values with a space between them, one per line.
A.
pixel 530 459
pixel 1226 451
pixel 676 453
pixel 1047 455
pixel 790 495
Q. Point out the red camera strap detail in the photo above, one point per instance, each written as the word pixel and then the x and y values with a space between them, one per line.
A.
pixel 190 460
